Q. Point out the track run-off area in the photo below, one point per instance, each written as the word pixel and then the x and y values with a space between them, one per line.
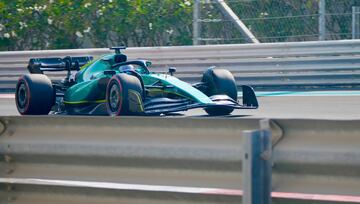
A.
pixel 280 104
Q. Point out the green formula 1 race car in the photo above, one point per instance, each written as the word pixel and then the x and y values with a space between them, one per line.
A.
pixel 112 85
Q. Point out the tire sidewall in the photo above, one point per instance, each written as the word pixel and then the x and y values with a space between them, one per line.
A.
pixel 126 83
pixel 40 94
pixel 114 81
pixel 25 109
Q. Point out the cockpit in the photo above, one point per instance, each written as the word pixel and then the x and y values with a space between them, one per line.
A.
pixel 117 62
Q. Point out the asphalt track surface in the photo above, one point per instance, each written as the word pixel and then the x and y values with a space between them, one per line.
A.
pixel 340 105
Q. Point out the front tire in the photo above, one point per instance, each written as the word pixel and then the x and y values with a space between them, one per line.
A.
pixel 124 95
pixel 34 95
pixel 219 82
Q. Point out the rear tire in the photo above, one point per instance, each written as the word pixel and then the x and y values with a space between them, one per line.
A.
pixel 219 82
pixel 124 95
pixel 34 95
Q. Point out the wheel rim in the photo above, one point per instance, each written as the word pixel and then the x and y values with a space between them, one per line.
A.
pixel 114 98
pixel 22 96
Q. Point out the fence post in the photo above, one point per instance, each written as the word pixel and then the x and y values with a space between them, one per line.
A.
pixel 257 167
pixel 355 22
pixel 227 11
pixel 322 20
pixel 196 22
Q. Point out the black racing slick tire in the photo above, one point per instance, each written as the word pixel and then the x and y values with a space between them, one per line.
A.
pixel 219 82
pixel 124 95
pixel 34 94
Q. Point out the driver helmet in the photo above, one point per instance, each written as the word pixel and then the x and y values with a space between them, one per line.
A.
pixel 126 68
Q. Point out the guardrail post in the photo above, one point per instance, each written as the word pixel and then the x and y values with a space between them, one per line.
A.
pixel 257 167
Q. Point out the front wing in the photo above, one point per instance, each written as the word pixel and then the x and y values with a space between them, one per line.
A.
pixel 166 105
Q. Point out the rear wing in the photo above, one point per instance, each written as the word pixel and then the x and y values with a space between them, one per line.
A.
pixel 39 65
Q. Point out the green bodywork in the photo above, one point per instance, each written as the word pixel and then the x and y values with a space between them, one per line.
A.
pixel 91 83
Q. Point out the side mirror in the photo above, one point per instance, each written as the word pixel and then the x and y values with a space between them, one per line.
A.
pixel 172 70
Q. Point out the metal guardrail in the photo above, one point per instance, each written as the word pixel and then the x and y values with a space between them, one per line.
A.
pixel 312 65
pixel 171 160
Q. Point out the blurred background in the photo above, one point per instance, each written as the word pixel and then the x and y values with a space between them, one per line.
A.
pixel 66 24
